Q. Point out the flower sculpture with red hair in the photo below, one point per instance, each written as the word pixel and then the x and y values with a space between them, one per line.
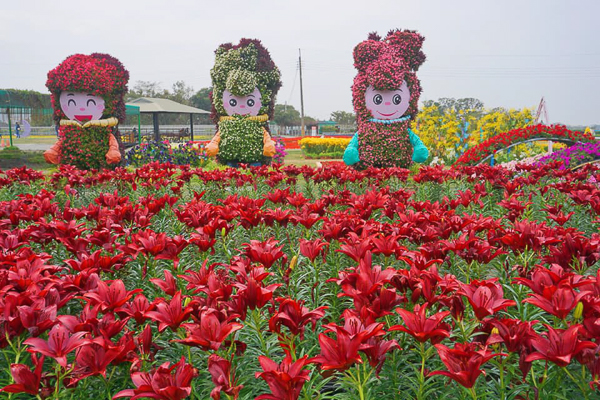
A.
pixel 385 95
pixel 87 94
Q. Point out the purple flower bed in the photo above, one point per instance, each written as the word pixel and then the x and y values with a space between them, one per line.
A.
pixel 574 155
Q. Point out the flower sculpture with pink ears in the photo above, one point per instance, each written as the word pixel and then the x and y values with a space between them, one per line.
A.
pixel 385 95
pixel 87 93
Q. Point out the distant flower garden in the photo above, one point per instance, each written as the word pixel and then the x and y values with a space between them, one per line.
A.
pixel 575 155
pixel 163 152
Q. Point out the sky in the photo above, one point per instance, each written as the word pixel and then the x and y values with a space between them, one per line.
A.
pixel 506 53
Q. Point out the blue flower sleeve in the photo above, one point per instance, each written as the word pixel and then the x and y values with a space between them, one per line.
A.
pixel 420 152
pixel 351 153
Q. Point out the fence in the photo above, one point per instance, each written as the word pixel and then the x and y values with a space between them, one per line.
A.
pixel 296 130
pixel 172 131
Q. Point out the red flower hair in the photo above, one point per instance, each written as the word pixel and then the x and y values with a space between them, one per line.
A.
pixel 98 74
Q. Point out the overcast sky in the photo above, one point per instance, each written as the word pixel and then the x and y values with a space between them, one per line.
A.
pixel 506 53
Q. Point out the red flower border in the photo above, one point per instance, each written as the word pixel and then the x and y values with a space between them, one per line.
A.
pixel 484 149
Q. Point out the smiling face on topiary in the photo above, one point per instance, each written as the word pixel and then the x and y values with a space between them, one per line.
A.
pixel 81 106
pixel 242 105
pixel 387 104
pixel 244 74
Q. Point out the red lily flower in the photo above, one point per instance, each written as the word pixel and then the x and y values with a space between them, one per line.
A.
pixel 145 345
pixel 563 300
pixel 92 359
pixel 356 247
pixel 559 345
pixel 544 281
pixel 203 241
pixel 136 309
pixel 169 315
pixel 365 283
pixel 25 380
pixel 147 242
pixel 265 253
pixel 161 383
pixel 295 316
pixel 285 380
pixel 342 353
pixel 255 295
pixel 575 251
pixel 338 354
pixel 59 344
pixel 173 246
pixel 386 245
pixel 210 333
pixel 306 217
pixel 422 328
pixel 38 317
pixel 312 248
pixel 376 351
pixel 222 377
pixel 463 362
pixel 514 333
pixel 111 297
pixel 169 285
pixel 486 297
pixel 281 216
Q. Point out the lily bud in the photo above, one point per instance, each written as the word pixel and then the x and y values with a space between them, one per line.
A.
pixel 293 263
pixel 187 301
pixel 578 310
pixel 223 231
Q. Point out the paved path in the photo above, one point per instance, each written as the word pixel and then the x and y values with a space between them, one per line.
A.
pixel 33 146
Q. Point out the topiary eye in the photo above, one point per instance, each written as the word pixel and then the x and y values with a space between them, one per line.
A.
pixel 250 102
pixel 91 101
pixel 233 102
pixel 378 99
pixel 71 102
pixel 396 99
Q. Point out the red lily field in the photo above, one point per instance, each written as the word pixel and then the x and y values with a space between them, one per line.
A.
pixel 168 282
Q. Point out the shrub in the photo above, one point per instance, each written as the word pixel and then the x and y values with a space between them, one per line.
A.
pixel 182 154
pixel 280 152
pixel 319 147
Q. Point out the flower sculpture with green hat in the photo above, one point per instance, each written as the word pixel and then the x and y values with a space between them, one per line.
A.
pixel 87 94
pixel 385 96
pixel 245 82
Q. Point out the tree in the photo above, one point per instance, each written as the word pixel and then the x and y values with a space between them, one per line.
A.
pixel 181 93
pixel 286 115
pixel 446 104
pixel 201 99
pixel 146 89
pixel 343 117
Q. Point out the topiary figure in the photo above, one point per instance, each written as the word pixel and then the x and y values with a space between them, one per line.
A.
pixel 245 82
pixel 385 96
pixel 87 97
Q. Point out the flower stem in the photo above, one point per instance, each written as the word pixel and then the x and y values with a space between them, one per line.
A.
pixel 473 393
pixel 422 374
pixel 581 387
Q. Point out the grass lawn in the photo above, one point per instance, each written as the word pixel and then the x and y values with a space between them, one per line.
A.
pixel 32 140
pixel 13 157
pixel 295 157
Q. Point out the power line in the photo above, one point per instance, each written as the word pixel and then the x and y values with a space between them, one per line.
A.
pixel 293 85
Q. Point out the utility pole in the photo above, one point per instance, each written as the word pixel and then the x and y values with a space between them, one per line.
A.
pixel 301 94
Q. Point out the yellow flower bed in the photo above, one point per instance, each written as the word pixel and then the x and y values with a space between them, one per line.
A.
pixel 323 147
